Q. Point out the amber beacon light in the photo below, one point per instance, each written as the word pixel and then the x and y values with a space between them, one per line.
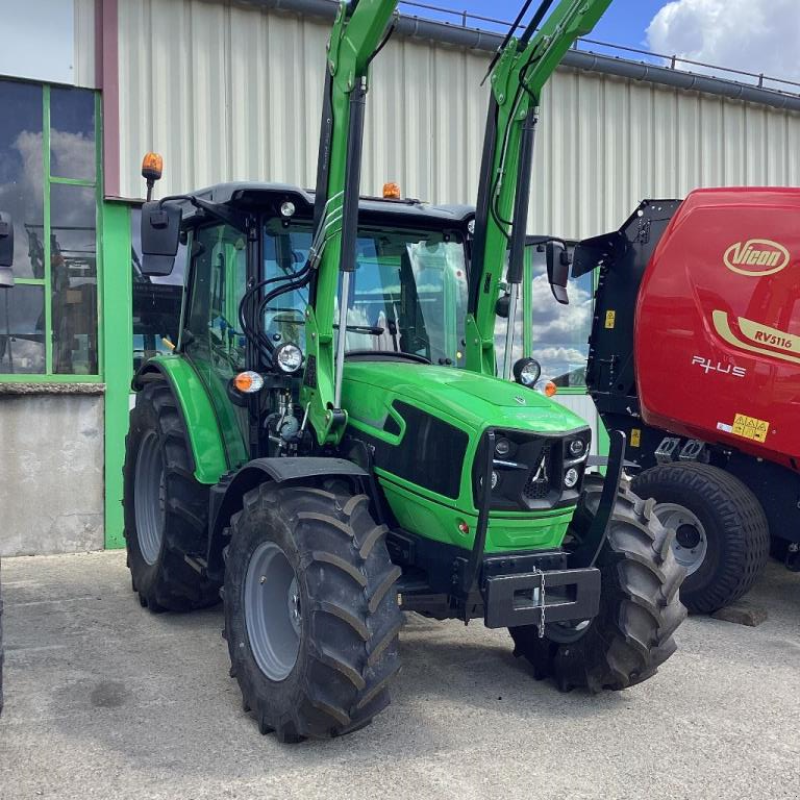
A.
pixel 152 169
pixel 391 191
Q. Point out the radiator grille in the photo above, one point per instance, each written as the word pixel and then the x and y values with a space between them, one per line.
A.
pixel 537 486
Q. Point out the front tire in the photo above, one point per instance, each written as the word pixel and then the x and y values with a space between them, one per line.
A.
pixel 722 532
pixel 639 606
pixel 311 615
pixel 166 509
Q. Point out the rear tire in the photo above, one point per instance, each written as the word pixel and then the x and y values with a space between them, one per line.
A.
pixel 639 606
pixel 325 574
pixel 166 509
pixel 721 513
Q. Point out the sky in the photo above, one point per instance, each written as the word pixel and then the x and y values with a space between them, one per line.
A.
pixel 758 36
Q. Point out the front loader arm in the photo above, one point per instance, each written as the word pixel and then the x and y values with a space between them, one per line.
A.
pixel 518 75
pixel 355 40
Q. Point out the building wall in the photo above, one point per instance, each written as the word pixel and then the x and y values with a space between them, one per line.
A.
pixel 51 472
pixel 52 415
pixel 583 406
pixel 228 93
pixel 85 74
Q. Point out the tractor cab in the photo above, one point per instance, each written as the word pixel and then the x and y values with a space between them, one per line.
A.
pixel 406 299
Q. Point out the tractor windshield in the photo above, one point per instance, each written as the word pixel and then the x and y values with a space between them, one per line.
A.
pixel 408 293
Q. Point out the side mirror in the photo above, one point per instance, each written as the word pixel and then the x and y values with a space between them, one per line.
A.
pixel 503 306
pixel 161 231
pixel 558 264
pixel 6 250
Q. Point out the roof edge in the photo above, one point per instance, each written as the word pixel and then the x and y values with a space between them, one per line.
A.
pixel 488 41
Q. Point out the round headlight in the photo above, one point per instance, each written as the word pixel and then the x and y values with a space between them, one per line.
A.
pixel 471 227
pixel 571 478
pixel 288 209
pixel 576 448
pixel 502 448
pixel 495 479
pixel 288 358
pixel 527 372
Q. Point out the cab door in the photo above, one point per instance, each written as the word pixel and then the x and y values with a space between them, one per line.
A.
pixel 216 344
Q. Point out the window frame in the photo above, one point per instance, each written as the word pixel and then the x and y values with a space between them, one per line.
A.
pixel 48 180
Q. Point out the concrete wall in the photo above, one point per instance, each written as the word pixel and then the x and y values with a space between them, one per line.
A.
pixel 51 472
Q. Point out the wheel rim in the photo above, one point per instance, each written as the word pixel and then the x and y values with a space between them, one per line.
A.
pixel 149 498
pixel 691 543
pixel 272 611
pixel 567 632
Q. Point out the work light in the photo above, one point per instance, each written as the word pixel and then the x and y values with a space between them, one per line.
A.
pixel 576 448
pixel 571 478
pixel 288 358
pixel 527 371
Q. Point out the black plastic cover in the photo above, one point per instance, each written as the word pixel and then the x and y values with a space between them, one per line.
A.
pixel 161 230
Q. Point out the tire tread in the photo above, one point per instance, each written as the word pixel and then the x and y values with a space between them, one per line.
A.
pixel 738 511
pixel 353 617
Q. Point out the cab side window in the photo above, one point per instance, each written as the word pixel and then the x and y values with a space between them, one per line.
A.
pixel 219 255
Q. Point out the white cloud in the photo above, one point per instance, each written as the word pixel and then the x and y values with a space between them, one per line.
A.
pixel 73 154
pixel 757 36
pixel 560 333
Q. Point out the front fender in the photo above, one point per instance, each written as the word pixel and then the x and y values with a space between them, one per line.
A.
pixel 227 498
pixel 194 405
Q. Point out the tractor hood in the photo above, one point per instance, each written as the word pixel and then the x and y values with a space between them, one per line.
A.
pixel 476 401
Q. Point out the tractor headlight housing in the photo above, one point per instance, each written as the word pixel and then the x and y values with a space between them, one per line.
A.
pixel 288 358
pixel 527 372
pixel 531 471
pixel 577 448
pixel 571 478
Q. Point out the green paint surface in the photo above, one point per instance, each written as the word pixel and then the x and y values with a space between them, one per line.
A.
pixel 471 403
pixel 356 34
pixel 518 78
pixel 117 338
pixel 416 513
pixel 205 438
pixel 468 401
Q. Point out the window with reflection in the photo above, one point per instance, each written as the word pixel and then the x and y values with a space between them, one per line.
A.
pixel 408 293
pixel 559 335
pixel 48 185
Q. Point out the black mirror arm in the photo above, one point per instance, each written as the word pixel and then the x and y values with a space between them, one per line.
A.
pixel 218 210
pixel 532 241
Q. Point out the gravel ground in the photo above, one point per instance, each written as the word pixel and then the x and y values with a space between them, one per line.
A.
pixel 105 701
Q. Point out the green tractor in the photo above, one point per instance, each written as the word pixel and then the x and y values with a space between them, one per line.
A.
pixel 312 453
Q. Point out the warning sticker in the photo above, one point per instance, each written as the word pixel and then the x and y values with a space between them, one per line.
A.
pixel 750 428
pixel 611 319
pixel 636 437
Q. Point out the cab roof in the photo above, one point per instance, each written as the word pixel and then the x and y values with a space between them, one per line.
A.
pixel 246 194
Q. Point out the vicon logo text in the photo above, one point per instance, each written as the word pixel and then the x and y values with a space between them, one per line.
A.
pixel 757 258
